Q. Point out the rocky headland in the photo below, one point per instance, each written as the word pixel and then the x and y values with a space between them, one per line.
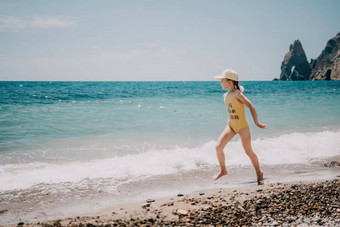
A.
pixel 325 67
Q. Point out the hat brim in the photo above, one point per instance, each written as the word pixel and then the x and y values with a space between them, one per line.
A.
pixel 219 77
pixel 222 77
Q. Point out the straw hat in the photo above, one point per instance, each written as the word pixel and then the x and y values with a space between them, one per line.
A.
pixel 228 74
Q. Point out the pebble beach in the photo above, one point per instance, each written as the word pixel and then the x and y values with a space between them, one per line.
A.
pixel 280 204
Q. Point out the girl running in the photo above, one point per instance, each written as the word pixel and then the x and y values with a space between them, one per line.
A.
pixel 235 100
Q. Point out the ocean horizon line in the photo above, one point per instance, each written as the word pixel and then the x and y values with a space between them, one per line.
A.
pixel 150 80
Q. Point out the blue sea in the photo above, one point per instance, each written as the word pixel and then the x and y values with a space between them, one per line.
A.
pixel 88 145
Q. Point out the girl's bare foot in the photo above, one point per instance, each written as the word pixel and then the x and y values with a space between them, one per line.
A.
pixel 222 173
pixel 260 178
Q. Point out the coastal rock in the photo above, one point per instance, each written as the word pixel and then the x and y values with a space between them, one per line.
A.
pixel 295 65
pixel 327 65
pixel 324 67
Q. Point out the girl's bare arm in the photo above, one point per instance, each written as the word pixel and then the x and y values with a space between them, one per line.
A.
pixel 242 98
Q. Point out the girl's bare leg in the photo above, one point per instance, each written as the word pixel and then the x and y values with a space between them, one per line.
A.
pixel 225 137
pixel 246 142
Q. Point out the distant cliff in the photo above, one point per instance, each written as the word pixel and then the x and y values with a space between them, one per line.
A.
pixel 295 65
pixel 326 67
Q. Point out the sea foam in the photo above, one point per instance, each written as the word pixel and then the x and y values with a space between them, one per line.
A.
pixel 293 148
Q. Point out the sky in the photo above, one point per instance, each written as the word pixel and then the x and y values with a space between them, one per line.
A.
pixel 157 40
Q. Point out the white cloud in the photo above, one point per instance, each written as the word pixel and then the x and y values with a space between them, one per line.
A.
pixel 12 23
pixel 52 23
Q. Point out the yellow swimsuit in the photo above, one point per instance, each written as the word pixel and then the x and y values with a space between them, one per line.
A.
pixel 236 116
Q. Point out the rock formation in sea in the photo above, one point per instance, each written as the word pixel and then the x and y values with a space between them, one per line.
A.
pixel 295 65
pixel 327 65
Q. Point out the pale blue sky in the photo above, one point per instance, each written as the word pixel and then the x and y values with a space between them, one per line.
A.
pixel 158 39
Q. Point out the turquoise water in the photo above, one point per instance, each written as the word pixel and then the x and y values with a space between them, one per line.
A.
pixel 56 137
pixel 139 116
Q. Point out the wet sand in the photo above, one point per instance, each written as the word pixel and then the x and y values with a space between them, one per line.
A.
pixel 277 204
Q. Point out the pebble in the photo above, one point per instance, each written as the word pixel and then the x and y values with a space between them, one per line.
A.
pixel 306 220
pixel 3 211
pixel 275 223
pixel 150 200
pixel 182 212
pixel 145 205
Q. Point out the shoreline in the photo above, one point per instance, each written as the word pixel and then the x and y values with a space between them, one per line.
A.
pixel 52 202
pixel 276 204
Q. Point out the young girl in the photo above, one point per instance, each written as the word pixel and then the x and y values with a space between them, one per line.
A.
pixel 237 123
